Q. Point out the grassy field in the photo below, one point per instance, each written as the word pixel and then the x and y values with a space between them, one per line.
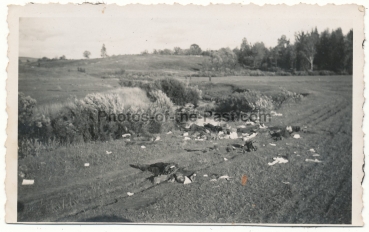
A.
pixel 294 192
pixel 58 80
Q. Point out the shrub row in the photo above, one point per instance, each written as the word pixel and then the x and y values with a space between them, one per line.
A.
pixel 83 120
pixel 177 91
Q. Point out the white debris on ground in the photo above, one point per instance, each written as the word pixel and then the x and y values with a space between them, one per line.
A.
pixel 143 147
pixel 168 133
pixel 108 152
pixel 130 194
pixel 128 140
pixel 87 164
pixel 273 113
pixel 126 135
pixel 249 137
pixel 316 155
pixel 185 134
pixel 28 182
pixel 313 160
pixel 205 175
pixel 285 182
pixel 296 136
pixel 233 135
pixel 312 150
pixel 187 180
pixel 212 180
pixel 278 160
pixel 272 144
pixel 225 159
pixel 224 177
pixel 157 138
pixel 241 126
pixel 186 138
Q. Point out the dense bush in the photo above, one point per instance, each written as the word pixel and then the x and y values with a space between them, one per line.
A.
pixel 285 96
pixel 245 101
pixel 83 120
pixel 177 91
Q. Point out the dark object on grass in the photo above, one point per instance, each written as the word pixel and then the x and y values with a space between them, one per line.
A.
pixel 213 128
pixel 157 168
pixel 250 146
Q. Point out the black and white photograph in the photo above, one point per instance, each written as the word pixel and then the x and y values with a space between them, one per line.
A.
pixel 221 114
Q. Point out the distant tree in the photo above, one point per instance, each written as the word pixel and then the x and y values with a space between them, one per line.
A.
pixel 258 51
pixel 245 54
pixel 308 44
pixel 87 54
pixel 167 52
pixel 103 52
pixel 145 52
pixel 155 52
pixel 62 57
pixel 195 49
pixel 349 51
pixel 324 47
pixel 178 51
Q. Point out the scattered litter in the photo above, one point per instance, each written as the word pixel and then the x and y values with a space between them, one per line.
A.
pixel 233 135
pixel 244 180
pixel 316 155
pixel 205 175
pixel 250 123
pixel 296 136
pixel 221 133
pixel 242 126
pixel 272 144
pixel 43 163
pixel 199 139
pixel 128 140
pixel 87 164
pixel 245 134
pixel 233 148
pixel 126 135
pixel 263 145
pixel 187 138
pixel 108 152
pixel 143 147
pixel 187 180
pixel 312 150
pixel 313 160
pixel 224 177
pixel 212 180
pixel 157 138
pixel 185 134
pixel 28 182
pixel 262 126
pixel 249 137
pixel 130 194
pixel 273 113
pixel 168 133
pixel 295 152
pixel 298 155
pixel 285 182
pixel 225 159
pixel 207 131
pixel 278 160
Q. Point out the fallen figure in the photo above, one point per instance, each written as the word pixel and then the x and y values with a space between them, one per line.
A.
pixel 279 133
pixel 250 146
pixel 166 172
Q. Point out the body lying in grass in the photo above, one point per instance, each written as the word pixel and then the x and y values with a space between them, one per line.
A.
pixel 166 172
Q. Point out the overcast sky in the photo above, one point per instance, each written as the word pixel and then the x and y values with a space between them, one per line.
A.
pixel 210 28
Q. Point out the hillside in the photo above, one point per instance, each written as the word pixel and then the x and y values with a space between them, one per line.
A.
pixel 53 81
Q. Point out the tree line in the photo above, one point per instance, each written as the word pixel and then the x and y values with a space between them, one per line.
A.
pixel 328 50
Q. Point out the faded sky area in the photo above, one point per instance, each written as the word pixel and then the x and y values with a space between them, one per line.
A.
pixel 140 28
